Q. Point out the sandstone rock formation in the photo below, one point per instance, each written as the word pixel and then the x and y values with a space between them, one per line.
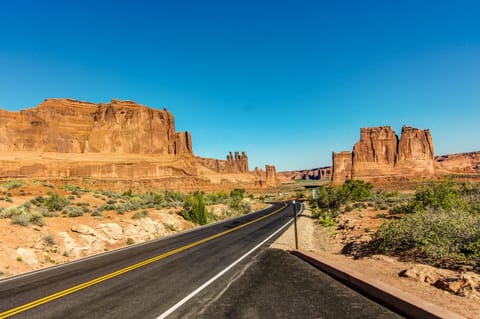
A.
pixel 70 126
pixel 115 140
pixel 463 163
pixel 270 175
pixel 415 152
pixel 320 173
pixel 342 166
pixel 376 152
pixel 267 177
pixel 380 155
pixel 237 164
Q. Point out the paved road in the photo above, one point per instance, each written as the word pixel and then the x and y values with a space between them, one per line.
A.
pixel 144 281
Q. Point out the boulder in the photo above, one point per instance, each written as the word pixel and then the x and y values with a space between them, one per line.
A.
pixel 82 229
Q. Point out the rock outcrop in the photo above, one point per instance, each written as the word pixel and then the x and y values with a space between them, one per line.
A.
pixel 320 173
pixel 114 140
pixel 271 175
pixel 342 166
pixel 70 126
pixel 463 163
pixel 380 155
pixel 376 152
pixel 234 164
pixel 267 177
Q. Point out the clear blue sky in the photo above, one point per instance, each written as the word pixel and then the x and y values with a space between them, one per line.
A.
pixel 286 81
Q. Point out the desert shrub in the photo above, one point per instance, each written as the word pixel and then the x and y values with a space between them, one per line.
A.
pixel 152 199
pixel 445 195
pixel 325 217
pixel 239 206
pixel 128 193
pixel 356 190
pixel 45 212
pixel 173 199
pixel 236 202
pixel 55 202
pixel 49 240
pixel 471 195
pixel 300 194
pixel 72 211
pixel 195 209
pixel 237 192
pixel 37 201
pixel 74 189
pixel 216 198
pixel 11 211
pixel 96 213
pixel 36 219
pixel 22 216
pixel 436 235
pixel 141 214
pixel 12 184
pixel 329 198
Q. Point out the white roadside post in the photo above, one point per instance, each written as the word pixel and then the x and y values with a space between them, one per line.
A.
pixel 295 223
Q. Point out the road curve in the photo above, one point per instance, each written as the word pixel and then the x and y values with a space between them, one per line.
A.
pixel 161 278
pixel 141 281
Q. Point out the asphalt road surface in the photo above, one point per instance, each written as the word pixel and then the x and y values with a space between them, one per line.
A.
pixel 168 279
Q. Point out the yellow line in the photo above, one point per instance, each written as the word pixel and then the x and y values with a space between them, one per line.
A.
pixel 95 281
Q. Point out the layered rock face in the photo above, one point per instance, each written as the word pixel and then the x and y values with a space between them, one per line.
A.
pixel 308 174
pixel 342 166
pixel 267 177
pixel 381 155
pixel 463 163
pixel 234 164
pixel 375 153
pixel 70 126
pixel 270 175
pixel 115 140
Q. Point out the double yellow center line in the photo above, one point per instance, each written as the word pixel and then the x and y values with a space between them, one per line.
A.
pixel 122 271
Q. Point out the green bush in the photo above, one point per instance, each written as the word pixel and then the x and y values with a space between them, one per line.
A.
pixel 445 195
pixel 238 193
pixel 22 216
pixel 141 214
pixel 432 234
pixel 216 198
pixel 72 211
pixel 325 217
pixel 55 202
pixel 12 184
pixel 356 190
pixel 195 209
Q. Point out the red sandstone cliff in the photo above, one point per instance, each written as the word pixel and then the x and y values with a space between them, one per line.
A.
pixel 463 163
pixel 115 140
pixel 70 126
pixel 380 155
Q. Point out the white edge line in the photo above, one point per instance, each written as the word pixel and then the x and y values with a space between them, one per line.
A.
pixel 221 273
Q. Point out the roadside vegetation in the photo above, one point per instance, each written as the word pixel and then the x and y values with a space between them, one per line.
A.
pixel 71 200
pixel 438 224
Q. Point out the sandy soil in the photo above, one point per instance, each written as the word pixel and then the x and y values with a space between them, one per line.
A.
pixel 327 242
pixel 62 239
